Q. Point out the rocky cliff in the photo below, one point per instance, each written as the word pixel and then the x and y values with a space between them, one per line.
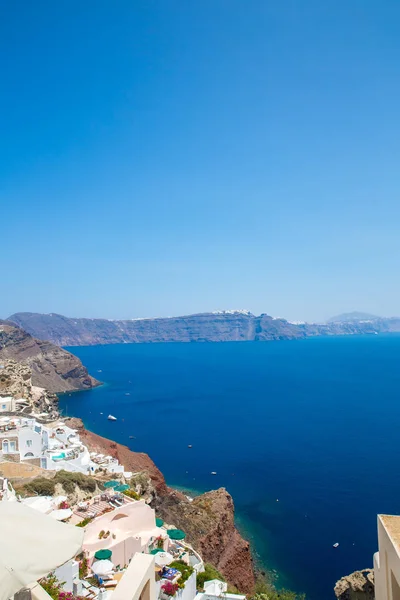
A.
pixel 208 520
pixel 229 326
pixel 357 586
pixel 52 368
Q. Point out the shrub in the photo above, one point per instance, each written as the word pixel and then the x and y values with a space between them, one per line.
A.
pixel 41 486
pixel 85 522
pixel 83 568
pixel 132 494
pixel 46 487
pixel 185 570
pixel 209 573
pixel 53 587
pixel 70 480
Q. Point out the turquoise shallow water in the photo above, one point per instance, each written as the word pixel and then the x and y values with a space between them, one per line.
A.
pixel 313 424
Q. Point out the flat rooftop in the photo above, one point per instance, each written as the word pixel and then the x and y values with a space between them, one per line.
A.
pixel 392 525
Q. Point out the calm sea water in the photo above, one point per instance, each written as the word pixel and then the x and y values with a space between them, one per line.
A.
pixel 304 434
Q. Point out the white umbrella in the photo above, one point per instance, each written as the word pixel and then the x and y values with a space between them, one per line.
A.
pixel 61 514
pixel 163 558
pixel 58 499
pixel 34 546
pixel 102 567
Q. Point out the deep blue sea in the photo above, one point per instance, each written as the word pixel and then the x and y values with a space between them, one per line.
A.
pixel 304 435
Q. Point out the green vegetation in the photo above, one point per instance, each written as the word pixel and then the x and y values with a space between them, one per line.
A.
pixel 132 494
pixel 140 479
pixel 41 486
pixel 209 573
pixel 186 571
pixel 83 568
pixel 264 590
pixel 53 587
pixel 274 594
pixel 84 522
pixel 46 487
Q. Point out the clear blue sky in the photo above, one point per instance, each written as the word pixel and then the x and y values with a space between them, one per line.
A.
pixel 165 157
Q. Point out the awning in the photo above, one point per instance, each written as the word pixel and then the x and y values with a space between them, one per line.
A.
pixel 176 534
pixel 103 554
pixel 159 522
pixel 36 545
pixel 157 550
pixel 61 514
pixel 111 484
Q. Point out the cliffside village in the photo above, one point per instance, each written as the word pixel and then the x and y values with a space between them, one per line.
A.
pixel 103 541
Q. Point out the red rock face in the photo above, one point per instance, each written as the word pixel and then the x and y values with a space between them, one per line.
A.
pixel 208 520
pixel 132 461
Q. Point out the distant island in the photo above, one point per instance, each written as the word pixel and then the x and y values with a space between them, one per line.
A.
pixel 220 326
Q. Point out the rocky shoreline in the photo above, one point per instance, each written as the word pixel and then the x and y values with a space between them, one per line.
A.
pixel 208 519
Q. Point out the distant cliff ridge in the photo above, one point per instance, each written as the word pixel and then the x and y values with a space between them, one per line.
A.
pixel 51 367
pixel 227 326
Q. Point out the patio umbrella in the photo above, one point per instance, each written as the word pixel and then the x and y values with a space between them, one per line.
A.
pixel 103 554
pixel 111 484
pixel 35 545
pixel 159 522
pixel 163 558
pixel 61 514
pixel 122 488
pixel 102 567
pixel 176 534
pixel 59 499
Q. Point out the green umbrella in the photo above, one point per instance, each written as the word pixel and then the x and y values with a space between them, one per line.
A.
pixel 111 484
pixel 122 488
pixel 157 550
pixel 176 534
pixel 103 554
pixel 159 522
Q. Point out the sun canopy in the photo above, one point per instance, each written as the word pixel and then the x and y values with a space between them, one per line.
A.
pixel 103 554
pixel 111 484
pixel 61 514
pixel 176 534
pixel 159 522
pixel 163 559
pixel 102 567
pixel 122 488
pixel 36 545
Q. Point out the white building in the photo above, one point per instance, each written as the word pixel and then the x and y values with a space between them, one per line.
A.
pixel 387 559
pixel 214 589
pixel 7 404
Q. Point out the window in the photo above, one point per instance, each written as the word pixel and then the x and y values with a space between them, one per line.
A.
pixel 3 406
pixel 5 446
pixel 13 447
pixel 29 443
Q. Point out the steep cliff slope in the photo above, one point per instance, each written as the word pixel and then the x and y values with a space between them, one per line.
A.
pixel 54 369
pixel 228 326
pixel 208 520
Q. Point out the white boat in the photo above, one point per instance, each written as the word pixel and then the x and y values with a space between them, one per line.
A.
pixel 336 545
pixel 111 418
pixel 213 472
